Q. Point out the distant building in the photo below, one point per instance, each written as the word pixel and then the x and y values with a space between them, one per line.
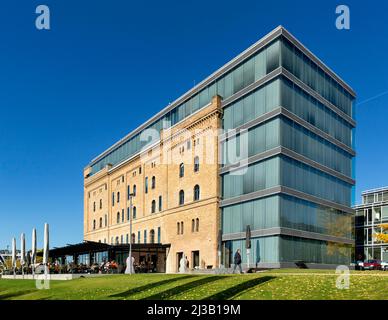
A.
pixel 369 215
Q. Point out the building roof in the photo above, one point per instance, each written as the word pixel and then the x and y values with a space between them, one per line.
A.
pixel 274 34
pixel 375 190
pixel 91 246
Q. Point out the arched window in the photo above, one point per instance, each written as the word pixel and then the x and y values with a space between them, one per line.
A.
pixel 181 197
pixel 181 170
pixel 117 240
pixel 153 206
pixel 178 228
pixel 133 238
pixel 152 236
pixel 160 203
pixel 182 227
pixel 100 203
pixel 122 239
pixel 196 164
pixel 118 217
pixel 153 182
pixel 94 224
pixel 197 224
pixel 100 222
pixel 118 197
pixel 146 184
pixel 134 212
pixel 134 190
pixel 192 225
pixel 196 192
pixel 94 206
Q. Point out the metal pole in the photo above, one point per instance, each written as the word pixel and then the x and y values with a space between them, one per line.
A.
pixel 130 234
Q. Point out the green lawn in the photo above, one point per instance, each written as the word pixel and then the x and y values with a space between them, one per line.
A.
pixel 279 284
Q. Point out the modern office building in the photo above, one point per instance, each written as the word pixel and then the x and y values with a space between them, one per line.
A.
pixel 281 165
pixel 369 216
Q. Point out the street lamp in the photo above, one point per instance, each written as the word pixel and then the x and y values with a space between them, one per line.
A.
pixel 130 233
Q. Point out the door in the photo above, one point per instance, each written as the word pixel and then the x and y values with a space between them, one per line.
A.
pixel 179 256
pixel 195 259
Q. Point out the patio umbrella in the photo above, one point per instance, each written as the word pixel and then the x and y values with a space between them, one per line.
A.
pixel 46 244
pixel 22 251
pixel 13 255
pixel 33 250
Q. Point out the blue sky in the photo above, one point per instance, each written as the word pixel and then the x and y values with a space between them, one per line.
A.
pixel 106 67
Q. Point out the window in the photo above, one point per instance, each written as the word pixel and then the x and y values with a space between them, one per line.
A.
pixel 106 220
pixel 118 217
pixel 178 228
pixel 139 170
pixel 128 192
pixel 196 193
pixel 181 197
pixel 118 197
pixel 181 170
pixel 128 213
pixel 127 238
pixel 100 222
pixel 152 236
pixel 146 185
pixel 134 190
pixel 133 238
pixel 100 203
pixel 145 236
pixel 94 206
pixel 182 227
pixel 195 225
pixel 153 206
pixel 196 164
pixel 94 224
pixel 188 144
pixel 159 235
pixel 122 215
pixel 134 212
pixel 138 237
pixel 117 240
pixel 122 239
pixel 153 183
pixel 160 203
pixel 113 198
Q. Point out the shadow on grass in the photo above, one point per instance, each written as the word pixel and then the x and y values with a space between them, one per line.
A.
pixel 233 291
pixel 167 294
pixel 10 295
pixel 149 286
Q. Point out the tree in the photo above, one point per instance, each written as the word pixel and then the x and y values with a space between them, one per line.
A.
pixel 383 236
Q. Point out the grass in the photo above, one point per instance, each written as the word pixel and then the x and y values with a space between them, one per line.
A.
pixel 294 284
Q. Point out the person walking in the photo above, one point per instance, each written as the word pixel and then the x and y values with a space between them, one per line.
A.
pixel 237 261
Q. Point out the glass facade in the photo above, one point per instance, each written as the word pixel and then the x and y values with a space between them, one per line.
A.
pixel 281 211
pixel 287 212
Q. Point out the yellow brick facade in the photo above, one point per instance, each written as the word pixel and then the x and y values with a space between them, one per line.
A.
pixel 106 221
